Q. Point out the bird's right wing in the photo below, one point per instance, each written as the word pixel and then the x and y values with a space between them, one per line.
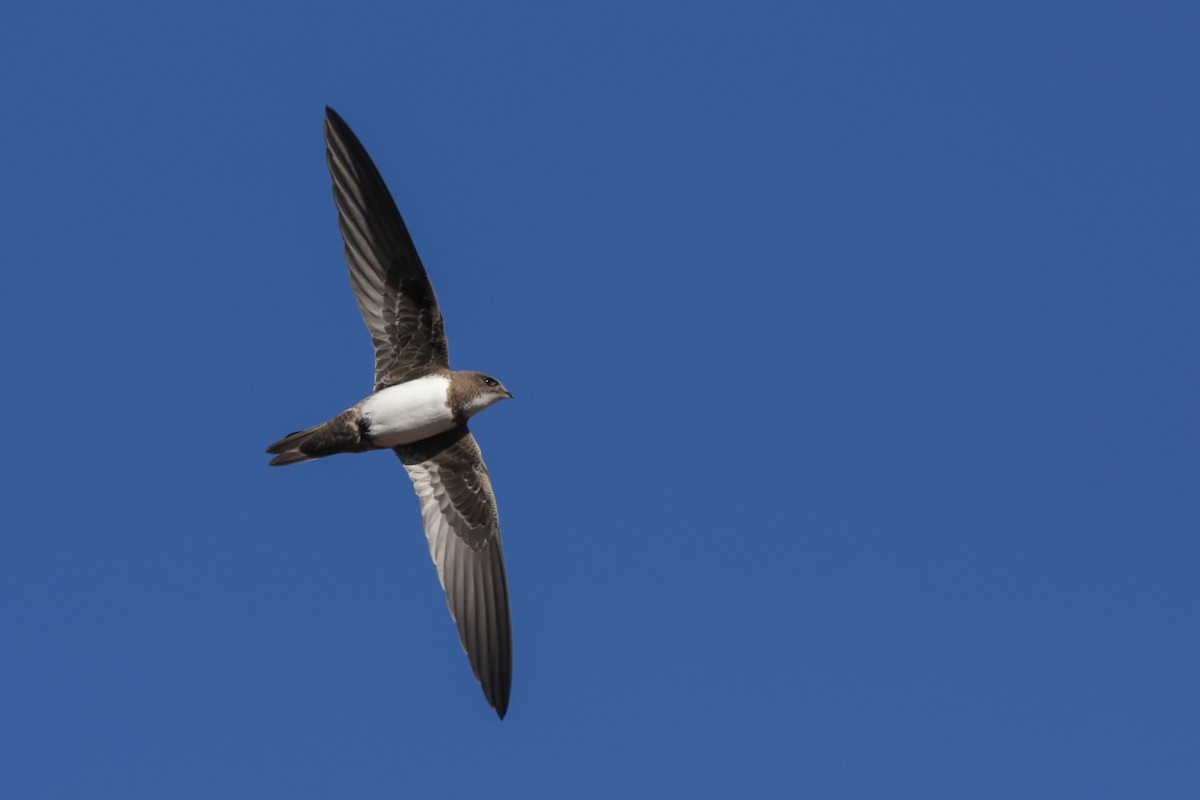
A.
pixel 394 293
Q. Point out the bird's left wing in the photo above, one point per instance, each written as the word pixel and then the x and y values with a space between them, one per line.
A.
pixel 463 530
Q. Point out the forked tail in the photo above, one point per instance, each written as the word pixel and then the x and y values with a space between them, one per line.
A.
pixel 342 434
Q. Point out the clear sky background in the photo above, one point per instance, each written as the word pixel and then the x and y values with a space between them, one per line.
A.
pixel 854 450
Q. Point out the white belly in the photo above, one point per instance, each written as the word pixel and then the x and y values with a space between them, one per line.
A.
pixel 408 412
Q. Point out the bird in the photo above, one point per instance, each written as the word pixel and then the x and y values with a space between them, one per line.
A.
pixel 419 408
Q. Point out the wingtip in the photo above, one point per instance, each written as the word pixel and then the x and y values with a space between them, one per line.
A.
pixel 498 699
pixel 332 118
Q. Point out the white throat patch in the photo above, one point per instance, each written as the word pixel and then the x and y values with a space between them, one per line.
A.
pixel 481 401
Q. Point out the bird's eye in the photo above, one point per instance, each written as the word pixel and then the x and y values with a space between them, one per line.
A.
pixel 491 381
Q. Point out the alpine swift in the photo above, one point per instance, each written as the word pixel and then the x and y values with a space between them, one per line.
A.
pixel 419 408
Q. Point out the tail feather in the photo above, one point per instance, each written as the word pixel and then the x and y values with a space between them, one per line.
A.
pixel 342 434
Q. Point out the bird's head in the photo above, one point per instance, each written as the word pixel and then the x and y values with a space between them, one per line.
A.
pixel 475 391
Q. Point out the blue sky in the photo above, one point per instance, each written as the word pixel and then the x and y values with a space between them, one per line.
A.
pixel 854 447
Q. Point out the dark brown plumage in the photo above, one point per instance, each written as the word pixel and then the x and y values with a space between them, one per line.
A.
pixel 461 522
pixel 394 294
pixel 342 434
pixel 412 361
